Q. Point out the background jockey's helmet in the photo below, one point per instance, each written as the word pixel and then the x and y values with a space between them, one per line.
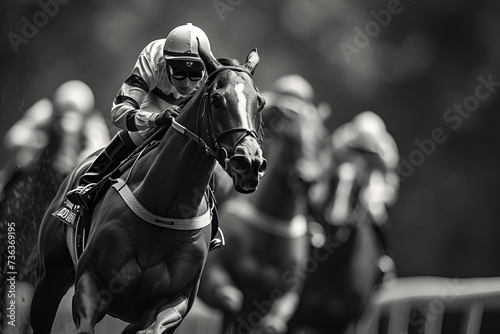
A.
pixel 75 96
pixel 294 85
pixel 181 47
pixel 293 93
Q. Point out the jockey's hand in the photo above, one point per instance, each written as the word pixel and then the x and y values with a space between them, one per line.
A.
pixel 164 117
pixel 174 111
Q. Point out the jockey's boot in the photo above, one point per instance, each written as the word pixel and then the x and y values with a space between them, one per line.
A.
pixel 105 163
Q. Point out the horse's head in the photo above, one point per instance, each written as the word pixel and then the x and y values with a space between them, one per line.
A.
pixel 234 127
pixel 292 141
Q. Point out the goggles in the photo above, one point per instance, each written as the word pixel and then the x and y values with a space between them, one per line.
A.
pixel 179 74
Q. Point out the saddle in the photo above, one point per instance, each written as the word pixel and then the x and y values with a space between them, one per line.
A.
pixel 79 219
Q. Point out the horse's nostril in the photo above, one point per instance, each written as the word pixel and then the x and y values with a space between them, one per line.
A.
pixel 239 164
pixel 262 168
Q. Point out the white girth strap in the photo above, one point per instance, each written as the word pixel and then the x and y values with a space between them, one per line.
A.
pixel 172 223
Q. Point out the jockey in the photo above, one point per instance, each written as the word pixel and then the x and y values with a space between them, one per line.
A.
pixel 71 113
pixel 74 104
pixel 166 75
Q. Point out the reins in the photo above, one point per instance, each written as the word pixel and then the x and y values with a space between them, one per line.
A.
pixel 215 150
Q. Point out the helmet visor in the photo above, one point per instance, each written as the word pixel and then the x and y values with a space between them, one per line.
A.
pixel 181 74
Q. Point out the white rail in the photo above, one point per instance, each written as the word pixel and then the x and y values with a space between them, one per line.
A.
pixel 433 305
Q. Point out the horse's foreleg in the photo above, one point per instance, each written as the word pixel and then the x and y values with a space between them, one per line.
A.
pixel 46 298
pixel 170 318
pixel 282 309
pixel 229 323
pixel 90 304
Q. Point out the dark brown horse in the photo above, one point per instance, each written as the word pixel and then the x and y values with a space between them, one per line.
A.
pixel 348 257
pixel 138 265
pixel 256 278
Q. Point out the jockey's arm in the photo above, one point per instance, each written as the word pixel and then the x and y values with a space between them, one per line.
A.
pixel 29 136
pixel 31 130
pixel 126 112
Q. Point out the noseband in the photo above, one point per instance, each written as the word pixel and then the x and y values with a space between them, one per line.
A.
pixel 214 148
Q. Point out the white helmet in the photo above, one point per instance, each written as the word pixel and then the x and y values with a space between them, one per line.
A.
pixel 295 85
pixel 181 47
pixel 368 131
pixel 74 95
pixel 369 122
pixel 293 93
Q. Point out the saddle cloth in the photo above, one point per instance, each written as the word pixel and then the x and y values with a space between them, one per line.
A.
pixel 76 228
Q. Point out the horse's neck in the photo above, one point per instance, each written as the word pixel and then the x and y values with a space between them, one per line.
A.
pixel 175 175
pixel 276 198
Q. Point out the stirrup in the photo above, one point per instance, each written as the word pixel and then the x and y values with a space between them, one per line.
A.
pixel 215 244
pixel 79 195
pixel 218 241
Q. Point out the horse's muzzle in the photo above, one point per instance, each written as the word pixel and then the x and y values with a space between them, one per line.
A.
pixel 246 168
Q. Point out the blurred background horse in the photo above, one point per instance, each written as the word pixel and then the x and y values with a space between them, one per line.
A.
pixel 256 278
pixel 348 257
pixel 45 144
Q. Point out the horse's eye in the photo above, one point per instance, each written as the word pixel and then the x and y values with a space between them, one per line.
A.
pixel 261 102
pixel 220 84
pixel 216 100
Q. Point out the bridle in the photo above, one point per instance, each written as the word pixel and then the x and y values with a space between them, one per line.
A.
pixel 213 147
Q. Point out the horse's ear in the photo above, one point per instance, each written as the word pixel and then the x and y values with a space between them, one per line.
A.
pixel 252 60
pixel 209 60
